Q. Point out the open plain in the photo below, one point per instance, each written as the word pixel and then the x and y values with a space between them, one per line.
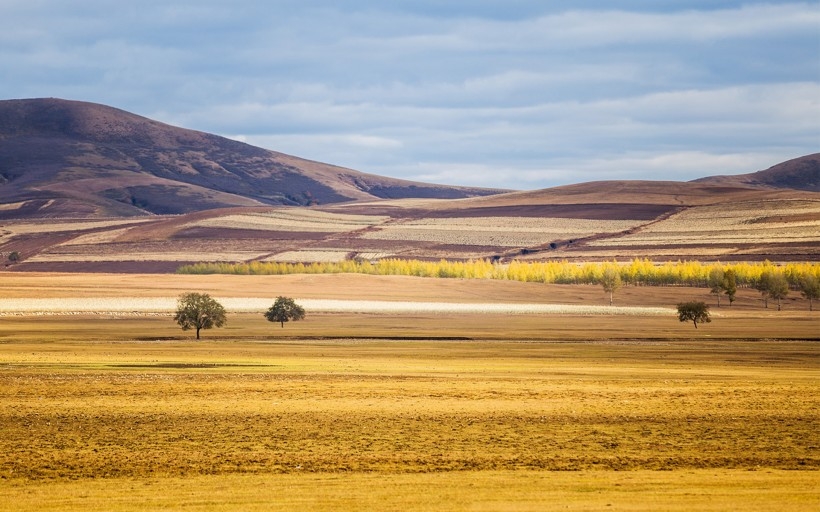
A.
pixel 428 410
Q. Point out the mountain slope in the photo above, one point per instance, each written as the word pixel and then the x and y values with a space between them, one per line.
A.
pixel 61 157
pixel 801 173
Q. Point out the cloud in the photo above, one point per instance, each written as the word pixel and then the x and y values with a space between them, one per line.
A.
pixel 530 93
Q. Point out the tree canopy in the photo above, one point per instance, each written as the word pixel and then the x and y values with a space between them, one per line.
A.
pixel 773 285
pixel 729 285
pixel 284 309
pixel 694 312
pixel 809 288
pixel 715 282
pixel 199 311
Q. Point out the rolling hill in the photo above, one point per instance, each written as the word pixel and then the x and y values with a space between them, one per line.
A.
pixel 798 174
pixel 89 188
pixel 63 158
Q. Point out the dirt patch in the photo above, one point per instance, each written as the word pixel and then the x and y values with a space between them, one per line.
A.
pixel 110 267
pixel 777 219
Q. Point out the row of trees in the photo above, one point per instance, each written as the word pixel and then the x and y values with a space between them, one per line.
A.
pixel 773 281
pixel 772 284
pixel 199 311
pixel 639 272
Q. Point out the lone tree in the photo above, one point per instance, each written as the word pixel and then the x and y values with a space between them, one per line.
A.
pixel 611 281
pixel 199 311
pixel 284 310
pixel 694 311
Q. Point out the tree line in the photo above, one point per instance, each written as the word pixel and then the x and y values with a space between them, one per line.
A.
pixel 723 279
pixel 200 311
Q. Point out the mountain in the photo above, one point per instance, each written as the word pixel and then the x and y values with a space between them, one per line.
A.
pixel 62 158
pixel 86 187
pixel 798 174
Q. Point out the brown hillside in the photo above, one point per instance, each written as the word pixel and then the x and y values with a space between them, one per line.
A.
pixel 64 165
pixel 61 157
pixel 798 174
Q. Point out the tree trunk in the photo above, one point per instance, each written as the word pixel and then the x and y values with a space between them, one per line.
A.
pixel 283 324
pixel 696 323
pixel 610 298
pixel 197 333
pixel 778 304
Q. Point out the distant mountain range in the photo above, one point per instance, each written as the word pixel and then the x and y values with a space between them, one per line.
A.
pixel 70 158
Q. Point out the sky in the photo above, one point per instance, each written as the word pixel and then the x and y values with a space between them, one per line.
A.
pixel 513 94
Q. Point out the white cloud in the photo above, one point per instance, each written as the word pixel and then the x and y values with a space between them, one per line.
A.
pixel 531 93
pixel 585 28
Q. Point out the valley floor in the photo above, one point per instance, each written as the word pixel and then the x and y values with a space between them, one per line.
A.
pixel 405 411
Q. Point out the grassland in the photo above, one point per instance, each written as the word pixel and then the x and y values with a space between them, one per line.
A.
pixel 421 411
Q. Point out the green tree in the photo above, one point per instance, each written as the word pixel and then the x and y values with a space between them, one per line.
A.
pixel 778 287
pixel 199 311
pixel 763 284
pixel 611 281
pixel 694 311
pixel 730 285
pixel 715 282
pixel 809 288
pixel 14 256
pixel 283 310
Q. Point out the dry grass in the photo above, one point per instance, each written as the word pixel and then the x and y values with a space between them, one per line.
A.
pixel 489 414
pixel 167 305
pixel 495 231
pixel 294 219
pixel 776 221
pixel 51 226
pixel 328 255
pixel 705 490
pixel 391 411
pixel 763 224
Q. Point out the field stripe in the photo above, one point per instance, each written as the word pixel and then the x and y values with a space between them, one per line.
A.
pixel 138 305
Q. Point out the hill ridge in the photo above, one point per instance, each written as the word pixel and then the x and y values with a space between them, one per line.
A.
pixel 140 166
pixel 802 173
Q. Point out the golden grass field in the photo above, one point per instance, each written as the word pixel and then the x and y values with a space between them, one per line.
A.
pixel 410 411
